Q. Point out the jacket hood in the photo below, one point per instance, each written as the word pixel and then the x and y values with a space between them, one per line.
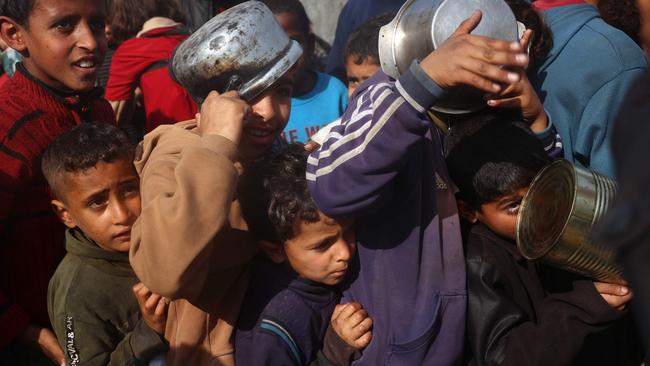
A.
pixel 77 243
pixel 175 137
pixel 565 22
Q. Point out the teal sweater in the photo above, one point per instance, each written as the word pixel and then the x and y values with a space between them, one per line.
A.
pixel 93 310
pixel 583 81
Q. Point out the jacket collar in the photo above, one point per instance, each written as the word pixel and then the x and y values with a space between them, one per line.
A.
pixel 117 263
pixel 509 245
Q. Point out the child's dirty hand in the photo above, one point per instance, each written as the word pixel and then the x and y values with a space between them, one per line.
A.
pixel 223 114
pixel 45 340
pixel 617 296
pixel 522 96
pixel 352 324
pixel 474 60
pixel 153 307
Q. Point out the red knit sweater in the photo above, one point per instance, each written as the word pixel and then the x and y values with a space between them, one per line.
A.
pixel 31 237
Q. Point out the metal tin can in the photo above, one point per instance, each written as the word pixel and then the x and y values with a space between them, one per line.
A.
pixel 556 217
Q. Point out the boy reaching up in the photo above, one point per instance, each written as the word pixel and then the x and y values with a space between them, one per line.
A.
pixel 91 301
pixel 383 165
pixel 62 43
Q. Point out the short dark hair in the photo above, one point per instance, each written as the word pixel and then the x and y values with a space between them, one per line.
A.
pixel 274 196
pixel 81 148
pixel 126 17
pixel 18 10
pixel 490 156
pixel 622 14
pixel 362 44
pixel 293 7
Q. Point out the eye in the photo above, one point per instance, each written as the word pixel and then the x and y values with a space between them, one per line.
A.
pixel 64 26
pixel 97 203
pixel 285 91
pixel 513 208
pixel 131 188
pixel 98 25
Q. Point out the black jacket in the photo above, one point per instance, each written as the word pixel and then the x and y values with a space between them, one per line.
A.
pixel 512 320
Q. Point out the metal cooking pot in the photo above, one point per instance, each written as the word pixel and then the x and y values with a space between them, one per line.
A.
pixel 556 216
pixel 423 25
pixel 243 48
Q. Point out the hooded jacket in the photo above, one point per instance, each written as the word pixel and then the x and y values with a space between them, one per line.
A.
pixel 189 243
pixel 93 310
pixel 583 80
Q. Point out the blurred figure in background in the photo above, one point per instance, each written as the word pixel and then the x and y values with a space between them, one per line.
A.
pixel 142 62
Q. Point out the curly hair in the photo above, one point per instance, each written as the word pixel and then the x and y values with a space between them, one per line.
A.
pixel 274 196
pixel 81 148
pixel 18 10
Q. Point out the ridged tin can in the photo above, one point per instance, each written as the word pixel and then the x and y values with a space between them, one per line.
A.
pixel 556 218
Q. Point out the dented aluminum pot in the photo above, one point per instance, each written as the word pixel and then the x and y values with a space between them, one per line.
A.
pixel 243 48
pixel 421 26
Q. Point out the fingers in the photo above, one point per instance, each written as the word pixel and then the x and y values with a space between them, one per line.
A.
pixel 514 102
pixel 468 25
pixel 348 310
pixel 152 301
pixel 524 41
pixel 161 307
pixel 617 302
pixel 611 289
pixel 311 145
pixel 337 310
pixel 364 340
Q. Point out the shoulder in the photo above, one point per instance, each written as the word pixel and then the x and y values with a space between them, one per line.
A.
pixel 331 82
pixel 485 247
pixel 613 47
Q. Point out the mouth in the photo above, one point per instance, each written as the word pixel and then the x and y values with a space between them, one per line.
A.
pixel 123 236
pixel 260 135
pixel 87 64
pixel 340 274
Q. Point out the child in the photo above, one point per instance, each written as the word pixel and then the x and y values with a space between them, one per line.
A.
pixel 512 320
pixel 383 166
pixel 90 298
pixel 318 98
pixel 142 62
pixel 191 242
pixel 293 290
pixel 362 53
pixel 62 43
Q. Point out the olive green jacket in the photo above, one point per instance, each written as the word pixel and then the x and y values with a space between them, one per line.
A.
pixel 93 311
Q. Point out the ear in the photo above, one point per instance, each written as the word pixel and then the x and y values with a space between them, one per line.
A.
pixel 274 251
pixel 12 33
pixel 63 214
pixel 465 212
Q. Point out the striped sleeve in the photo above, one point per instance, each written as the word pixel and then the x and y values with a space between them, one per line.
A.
pixel 551 140
pixel 354 169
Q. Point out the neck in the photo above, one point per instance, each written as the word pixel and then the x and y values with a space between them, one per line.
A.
pixel 305 83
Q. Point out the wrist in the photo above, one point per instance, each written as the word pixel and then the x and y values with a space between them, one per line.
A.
pixel 540 123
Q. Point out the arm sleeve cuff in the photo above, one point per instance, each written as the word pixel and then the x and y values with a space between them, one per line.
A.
pixel 419 90
pixel 146 343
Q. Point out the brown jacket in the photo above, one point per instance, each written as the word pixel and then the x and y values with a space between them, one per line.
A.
pixel 184 245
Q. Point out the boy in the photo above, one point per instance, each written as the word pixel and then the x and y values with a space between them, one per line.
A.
pixel 318 98
pixel 512 320
pixel 293 292
pixel 191 242
pixel 362 53
pixel 62 43
pixel 90 298
pixel 383 165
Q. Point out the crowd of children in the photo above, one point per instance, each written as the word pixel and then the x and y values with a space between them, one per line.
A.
pixel 228 237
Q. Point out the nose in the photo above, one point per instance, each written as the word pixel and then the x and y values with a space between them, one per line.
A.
pixel 343 251
pixel 87 38
pixel 122 215
pixel 264 108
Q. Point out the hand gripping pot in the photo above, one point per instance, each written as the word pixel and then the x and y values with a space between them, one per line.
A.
pixel 243 49
pixel 421 26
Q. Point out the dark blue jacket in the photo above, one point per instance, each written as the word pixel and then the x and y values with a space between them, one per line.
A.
pixel 383 164
pixel 283 318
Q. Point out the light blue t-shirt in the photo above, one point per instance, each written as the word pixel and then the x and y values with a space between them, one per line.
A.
pixel 322 105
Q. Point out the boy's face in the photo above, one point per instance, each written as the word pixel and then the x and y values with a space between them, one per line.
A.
pixel 63 41
pixel 103 201
pixel 357 74
pixel 269 115
pixel 321 251
pixel 292 28
pixel 500 216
